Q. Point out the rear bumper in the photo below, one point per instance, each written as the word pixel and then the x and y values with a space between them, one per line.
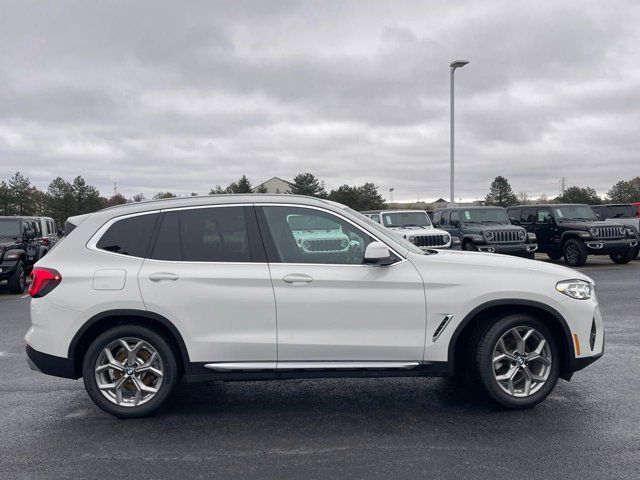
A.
pixel 517 249
pixel 50 364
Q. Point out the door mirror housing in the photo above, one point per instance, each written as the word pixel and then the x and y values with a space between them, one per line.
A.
pixel 377 253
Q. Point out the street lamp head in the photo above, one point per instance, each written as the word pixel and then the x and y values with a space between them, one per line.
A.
pixel 459 63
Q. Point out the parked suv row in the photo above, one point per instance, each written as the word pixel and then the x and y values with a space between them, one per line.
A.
pixel 574 232
pixel 415 226
pixel 141 295
pixel 23 241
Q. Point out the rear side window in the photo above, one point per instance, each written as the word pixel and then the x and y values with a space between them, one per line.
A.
pixel 129 236
pixel 218 234
pixel 528 214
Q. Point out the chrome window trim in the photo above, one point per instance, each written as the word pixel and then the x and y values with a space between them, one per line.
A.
pixel 92 244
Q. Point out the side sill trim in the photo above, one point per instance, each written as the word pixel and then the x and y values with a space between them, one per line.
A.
pixel 319 365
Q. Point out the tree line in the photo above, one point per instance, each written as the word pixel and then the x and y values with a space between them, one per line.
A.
pixel 63 198
pixel 625 191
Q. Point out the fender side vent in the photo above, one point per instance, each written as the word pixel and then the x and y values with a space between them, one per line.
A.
pixel 592 337
pixel 445 321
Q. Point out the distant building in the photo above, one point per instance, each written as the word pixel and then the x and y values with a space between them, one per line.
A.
pixel 440 203
pixel 274 185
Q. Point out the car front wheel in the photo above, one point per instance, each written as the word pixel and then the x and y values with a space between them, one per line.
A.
pixel 575 253
pixel 129 371
pixel 517 361
pixel 17 282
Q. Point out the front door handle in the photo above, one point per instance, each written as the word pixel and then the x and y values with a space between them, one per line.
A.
pixel 297 278
pixel 160 276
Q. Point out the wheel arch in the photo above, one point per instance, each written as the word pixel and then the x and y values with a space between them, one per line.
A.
pixel 103 321
pixel 484 312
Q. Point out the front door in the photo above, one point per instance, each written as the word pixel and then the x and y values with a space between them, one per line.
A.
pixel 207 274
pixel 545 228
pixel 331 307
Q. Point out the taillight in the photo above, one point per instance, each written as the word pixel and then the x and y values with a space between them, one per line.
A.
pixel 43 280
pixel 44 241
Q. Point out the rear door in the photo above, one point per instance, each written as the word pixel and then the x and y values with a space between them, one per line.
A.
pixel 207 273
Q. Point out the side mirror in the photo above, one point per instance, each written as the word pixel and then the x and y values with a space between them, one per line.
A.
pixel 60 232
pixel 514 221
pixel 455 223
pixel 29 235
pixel 377 253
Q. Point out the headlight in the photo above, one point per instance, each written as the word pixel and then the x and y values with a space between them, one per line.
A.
pixel 412 239
pixel 578 289
pixel 306 244
pixel 622 230
pixel 521 234
pixel 488 235
pixel 344 243
pixel 593 231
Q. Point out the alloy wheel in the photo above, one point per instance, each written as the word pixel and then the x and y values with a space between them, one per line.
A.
pixel 521 361
pixel 571 253
pixel 129 372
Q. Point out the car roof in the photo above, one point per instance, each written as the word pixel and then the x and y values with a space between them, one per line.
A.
pixel 536 205
pixel 468 208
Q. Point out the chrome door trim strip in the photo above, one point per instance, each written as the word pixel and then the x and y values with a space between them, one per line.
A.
pixel 317 365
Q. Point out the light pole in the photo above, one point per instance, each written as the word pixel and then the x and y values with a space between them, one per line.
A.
pixel 453 65
pixel 391 195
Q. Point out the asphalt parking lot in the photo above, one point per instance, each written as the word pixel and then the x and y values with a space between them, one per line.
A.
pixel 397 428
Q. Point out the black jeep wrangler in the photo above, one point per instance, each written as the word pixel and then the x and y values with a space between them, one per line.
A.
pixel 574 231
pixel 19 249
pixel 485 229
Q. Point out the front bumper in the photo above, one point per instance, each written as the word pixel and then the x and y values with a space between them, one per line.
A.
pixel 605 247
pixel 510 249
pixel 50 364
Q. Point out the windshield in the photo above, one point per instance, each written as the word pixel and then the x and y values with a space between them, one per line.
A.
pixel 620 211
pixel 485 215
pixel 9 228
pixel 575 212
pixel 406 219
pixel 376 227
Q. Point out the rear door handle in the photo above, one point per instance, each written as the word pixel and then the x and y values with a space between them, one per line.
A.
pixel 160 276
pixel 297 278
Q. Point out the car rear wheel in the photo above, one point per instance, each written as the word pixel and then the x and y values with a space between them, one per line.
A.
pixel 18 281
pixel 624 257
pixel 129 371
pixel 575 253
pixel 517 361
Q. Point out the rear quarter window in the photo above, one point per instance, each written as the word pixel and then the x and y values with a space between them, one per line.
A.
pixel 129 236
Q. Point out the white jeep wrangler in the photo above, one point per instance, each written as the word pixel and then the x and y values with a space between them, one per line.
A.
pixel 415 226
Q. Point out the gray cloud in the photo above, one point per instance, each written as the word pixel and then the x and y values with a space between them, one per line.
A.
pixel 162 96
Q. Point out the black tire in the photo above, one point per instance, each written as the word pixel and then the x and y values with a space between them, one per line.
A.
pixel 168 357
pixel 575 253
pixel 17 282
pixel 624 257
pixel 554 255
pixel 635 255
pixel 530 255
pixel 470 247
pixel 483 369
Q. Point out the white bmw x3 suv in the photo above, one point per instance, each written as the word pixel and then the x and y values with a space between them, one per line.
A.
pixel 137 297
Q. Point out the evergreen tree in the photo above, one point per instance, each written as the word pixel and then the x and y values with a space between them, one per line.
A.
pixel 580 195
pixel 308 184
pixel 500 193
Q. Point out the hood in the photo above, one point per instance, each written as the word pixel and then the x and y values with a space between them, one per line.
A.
pixel 508 262
pixel 411 229
pixel 492 226
pixel 7 242
pixel 587 225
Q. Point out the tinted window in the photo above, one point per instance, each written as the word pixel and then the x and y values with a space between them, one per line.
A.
pixel 216 234
pixel 513 214
pixel 338 242
pixel 528 214
pixel 543 216
pixel 455 218
pixel 129 236
pixel 436 218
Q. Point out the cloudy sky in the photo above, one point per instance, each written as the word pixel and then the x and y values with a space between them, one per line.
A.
pixel 182 96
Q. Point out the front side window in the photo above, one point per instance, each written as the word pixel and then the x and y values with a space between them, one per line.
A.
pixel 455 218
pixel 406 219
pixel 217 234
pixel 129 236
pixel 544 216
pixel 303 235
pixel 528 214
